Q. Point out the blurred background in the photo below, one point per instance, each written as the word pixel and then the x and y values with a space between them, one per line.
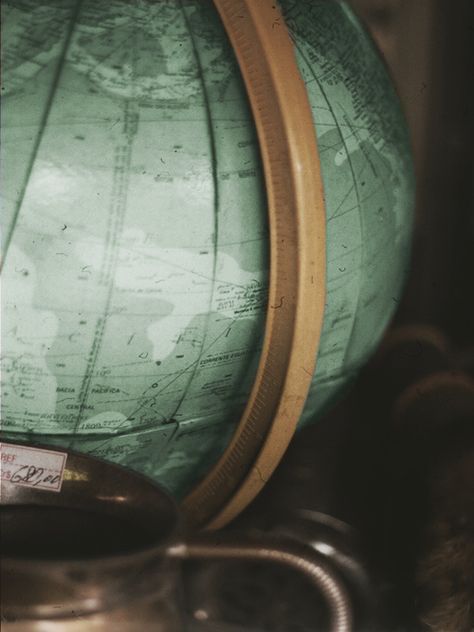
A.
pixel 382 486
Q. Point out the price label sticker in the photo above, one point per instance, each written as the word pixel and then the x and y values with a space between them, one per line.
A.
pixel 32 467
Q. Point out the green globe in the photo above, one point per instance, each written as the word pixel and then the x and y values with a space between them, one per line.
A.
pixel 135 233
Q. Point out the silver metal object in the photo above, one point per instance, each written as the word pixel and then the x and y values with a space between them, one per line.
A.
pixel 103 552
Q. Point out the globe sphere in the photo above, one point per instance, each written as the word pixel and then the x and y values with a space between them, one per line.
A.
pixel 135 233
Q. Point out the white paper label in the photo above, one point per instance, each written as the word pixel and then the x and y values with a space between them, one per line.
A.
pixel 32 467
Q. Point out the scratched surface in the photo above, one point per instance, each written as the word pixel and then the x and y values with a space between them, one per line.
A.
pixel 134 224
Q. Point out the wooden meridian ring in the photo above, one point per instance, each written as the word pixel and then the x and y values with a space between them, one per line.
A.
pixel 297 222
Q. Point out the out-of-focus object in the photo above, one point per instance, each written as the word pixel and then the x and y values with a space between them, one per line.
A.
pixel 88 545
pixel 276 600
pixel 429 475
pixel 407 354
pixel 444 576
pixel 431 505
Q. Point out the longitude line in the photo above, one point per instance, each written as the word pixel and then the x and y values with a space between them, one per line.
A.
pixel 43 124
pixel 356 191
pixel 216 190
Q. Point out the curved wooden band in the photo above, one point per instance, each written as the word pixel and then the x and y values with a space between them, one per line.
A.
pixel 297 220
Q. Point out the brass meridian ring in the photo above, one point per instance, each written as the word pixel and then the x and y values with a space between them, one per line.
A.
pixel 297 222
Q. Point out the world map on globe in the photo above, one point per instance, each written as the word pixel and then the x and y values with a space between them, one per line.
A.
pixel 135 236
